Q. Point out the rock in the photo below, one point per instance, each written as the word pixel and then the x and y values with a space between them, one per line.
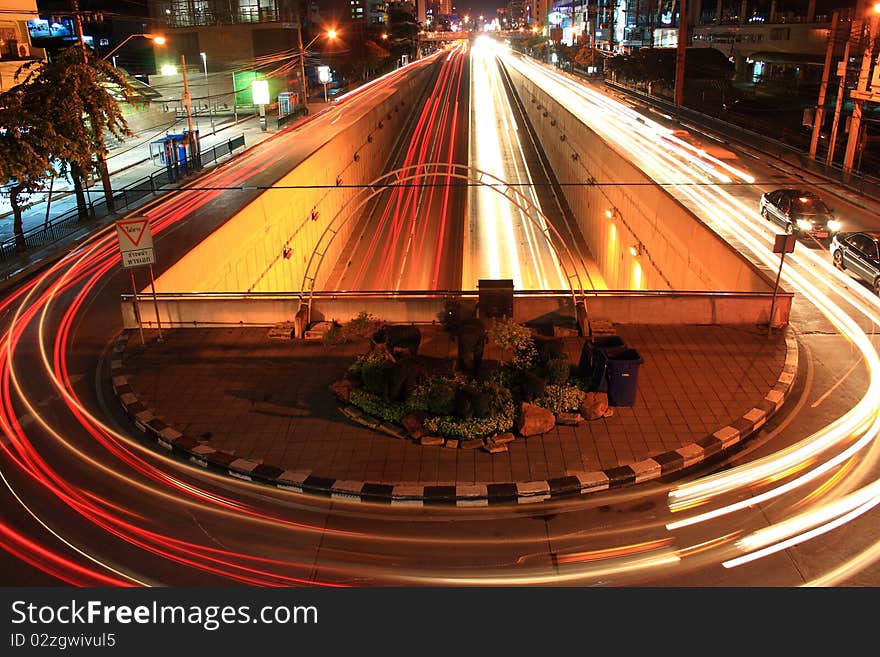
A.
pixel 452 443
pixel 471 444
pixel 502 438
pixel 431 441
pixel 594 405
pixel 413 423
pixel 534 420
pixel 494 448
pixel 568 419
pixel 342 389
pixel 318 330
pixel 282 331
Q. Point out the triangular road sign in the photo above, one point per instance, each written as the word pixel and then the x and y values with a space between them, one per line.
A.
pixel 134 233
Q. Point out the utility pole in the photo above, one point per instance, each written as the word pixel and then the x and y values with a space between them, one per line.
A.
pixel 819 117
pixel 681 53
pixel 855 30
pixel 861 94
pixel 302 58
pixel 99 138
pixel 187 104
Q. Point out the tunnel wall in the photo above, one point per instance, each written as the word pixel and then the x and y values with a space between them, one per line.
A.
pixel 680 251
pixel 265 247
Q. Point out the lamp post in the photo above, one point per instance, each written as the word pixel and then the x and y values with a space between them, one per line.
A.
pixel 204 57
pixel 155 38
pixel 303 51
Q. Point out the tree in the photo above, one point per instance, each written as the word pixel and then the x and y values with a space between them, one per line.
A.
pixel 32 149
pixel 79 94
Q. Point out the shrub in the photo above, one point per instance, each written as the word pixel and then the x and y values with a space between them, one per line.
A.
pixel 376 406
pixel 561 398
pixel 373 370
pixel 361 326
pixel 558 371
pixel 507 334
pixel 453 427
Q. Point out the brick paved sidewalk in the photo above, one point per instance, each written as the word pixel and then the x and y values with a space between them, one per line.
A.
pixel 268 401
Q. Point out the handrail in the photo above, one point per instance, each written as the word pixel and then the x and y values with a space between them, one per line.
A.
pixel 63 225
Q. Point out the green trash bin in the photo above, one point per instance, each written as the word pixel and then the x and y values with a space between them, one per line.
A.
pixel 622 373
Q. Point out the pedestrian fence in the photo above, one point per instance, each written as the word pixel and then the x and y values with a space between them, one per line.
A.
pixel 124 198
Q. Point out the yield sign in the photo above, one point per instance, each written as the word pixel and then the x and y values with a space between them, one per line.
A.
pixel 135 241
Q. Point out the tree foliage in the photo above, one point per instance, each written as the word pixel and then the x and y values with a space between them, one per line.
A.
pixel 53 122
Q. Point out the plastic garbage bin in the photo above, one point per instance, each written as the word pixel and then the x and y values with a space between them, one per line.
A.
pixel 623 377
pixel 594 356
pixel 587 362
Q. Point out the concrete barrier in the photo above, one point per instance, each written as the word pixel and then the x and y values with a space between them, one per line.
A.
pixel 619 306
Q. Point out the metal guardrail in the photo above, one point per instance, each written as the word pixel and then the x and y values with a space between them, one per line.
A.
pixel 65 224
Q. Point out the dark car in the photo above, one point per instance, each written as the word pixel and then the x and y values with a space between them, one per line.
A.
pixel 800 212
pixel 859 254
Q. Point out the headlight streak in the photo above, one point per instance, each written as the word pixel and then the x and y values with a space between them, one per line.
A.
pixel 730 216
pixel 793 531
pixel 509 241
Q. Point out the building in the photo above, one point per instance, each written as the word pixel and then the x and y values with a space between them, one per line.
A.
pixel 16 47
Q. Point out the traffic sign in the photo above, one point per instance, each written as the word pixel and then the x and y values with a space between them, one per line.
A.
pixel 135 242
pixel 784 243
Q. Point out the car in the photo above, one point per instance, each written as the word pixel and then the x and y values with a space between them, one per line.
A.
pixel 859 254
pixel 800 212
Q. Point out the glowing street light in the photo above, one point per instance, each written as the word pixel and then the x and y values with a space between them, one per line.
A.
pixel 330 34
pixel 155 38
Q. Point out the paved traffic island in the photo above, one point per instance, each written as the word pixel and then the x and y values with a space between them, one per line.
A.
pixel 237 401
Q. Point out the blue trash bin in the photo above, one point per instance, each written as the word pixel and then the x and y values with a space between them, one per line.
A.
pixel 623 377
pixel 594 359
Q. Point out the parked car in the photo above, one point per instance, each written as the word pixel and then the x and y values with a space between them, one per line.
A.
pixel 859 254
pixel 800 212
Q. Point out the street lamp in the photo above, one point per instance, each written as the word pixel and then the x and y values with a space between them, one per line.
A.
pixel 204 57
pixel 330 34
pixel 155 38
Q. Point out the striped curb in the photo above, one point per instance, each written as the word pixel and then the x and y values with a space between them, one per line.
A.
pixel 446 494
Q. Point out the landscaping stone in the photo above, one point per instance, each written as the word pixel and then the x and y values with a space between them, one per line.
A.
pixel 594 405
pixel 393 430
pixel 452 443
pixel 502 438
pixel 431 441
pixel 471 444
pixel 282 331
pixel 534 420
pixel 494 448
pixel 342 389
pixel 413 423
pixel 568 419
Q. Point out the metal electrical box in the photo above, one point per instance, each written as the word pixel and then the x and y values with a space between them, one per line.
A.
pixel 495 297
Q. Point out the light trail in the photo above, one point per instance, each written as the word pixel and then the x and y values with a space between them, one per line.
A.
pixel 502 242
pixel 675 164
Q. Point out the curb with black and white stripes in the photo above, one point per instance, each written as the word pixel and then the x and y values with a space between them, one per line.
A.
pixel 451 494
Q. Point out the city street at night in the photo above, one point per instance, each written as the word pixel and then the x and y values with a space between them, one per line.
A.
pixel 513 306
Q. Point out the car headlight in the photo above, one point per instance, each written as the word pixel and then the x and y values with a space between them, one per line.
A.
pixel 834 225
pixel 803 224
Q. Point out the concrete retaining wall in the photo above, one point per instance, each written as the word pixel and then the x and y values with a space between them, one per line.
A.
pixel 199 311
pixel 681 252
